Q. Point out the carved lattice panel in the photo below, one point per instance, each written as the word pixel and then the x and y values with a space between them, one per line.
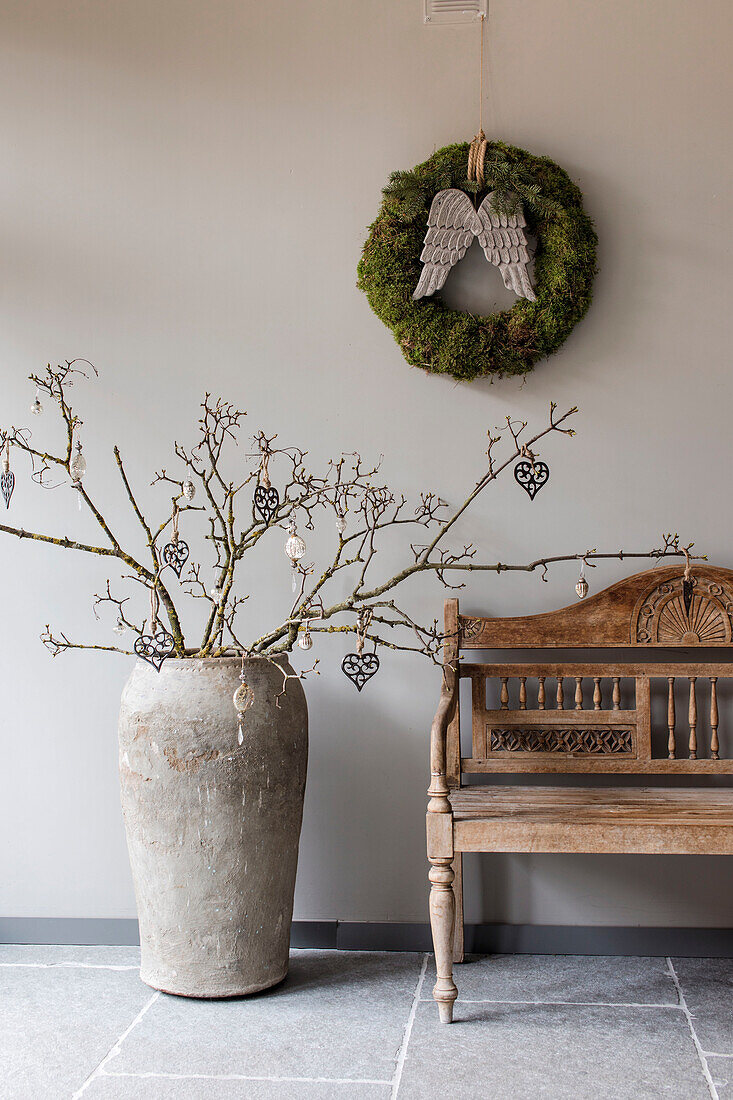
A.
pixel 598 741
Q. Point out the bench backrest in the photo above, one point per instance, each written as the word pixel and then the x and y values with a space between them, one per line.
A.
pixel 575 716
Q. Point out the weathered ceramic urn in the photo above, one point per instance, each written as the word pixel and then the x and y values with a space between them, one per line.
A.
pixel 213 826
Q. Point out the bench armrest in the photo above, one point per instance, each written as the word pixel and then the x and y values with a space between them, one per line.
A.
pixel 438 789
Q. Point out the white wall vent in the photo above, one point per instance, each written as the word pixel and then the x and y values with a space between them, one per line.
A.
pixel 441 12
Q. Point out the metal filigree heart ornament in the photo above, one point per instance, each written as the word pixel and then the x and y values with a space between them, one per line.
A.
pixel 531 476
pixel 155 648
pixel 175 554
pixel 360 667
pixel 266 502
pixel 7 484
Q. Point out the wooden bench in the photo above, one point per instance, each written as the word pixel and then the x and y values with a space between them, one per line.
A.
pixel 577 718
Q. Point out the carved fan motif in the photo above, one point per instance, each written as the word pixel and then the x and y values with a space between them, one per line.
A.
pixel 470 628
pixel 704 624
pixel 666 617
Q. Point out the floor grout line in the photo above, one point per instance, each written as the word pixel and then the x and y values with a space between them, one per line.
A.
pixel 698 1047
pixel 114 1050
pixel 714 1054
pixel 154 1075
pixel 579 1004
pixel 402 1054
pixel 69 965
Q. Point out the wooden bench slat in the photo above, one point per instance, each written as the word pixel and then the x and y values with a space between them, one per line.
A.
pixel 552 718
pixel 593 820
pixel 537 763
pixel 605 669
pixel 606 838
pixel 558 802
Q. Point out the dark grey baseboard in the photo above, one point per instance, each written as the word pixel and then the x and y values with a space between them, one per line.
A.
pixel 120 932
pixel 482 939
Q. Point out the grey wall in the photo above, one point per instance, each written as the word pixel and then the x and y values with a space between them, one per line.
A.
pixel 184 194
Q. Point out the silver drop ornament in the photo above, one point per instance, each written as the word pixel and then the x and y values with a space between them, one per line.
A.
pixel 77 469
pixel 243 699
pixel 582 586
pixel 7 478
pixel 295 549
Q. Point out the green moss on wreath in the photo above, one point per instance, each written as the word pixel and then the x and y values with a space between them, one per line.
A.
pixel 446 341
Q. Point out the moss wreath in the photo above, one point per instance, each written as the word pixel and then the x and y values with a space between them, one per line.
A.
pixel 445 341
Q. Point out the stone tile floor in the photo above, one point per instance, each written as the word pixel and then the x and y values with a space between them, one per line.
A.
pixel 77 1022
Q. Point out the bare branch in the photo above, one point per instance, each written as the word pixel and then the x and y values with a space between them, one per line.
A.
pixel 348 492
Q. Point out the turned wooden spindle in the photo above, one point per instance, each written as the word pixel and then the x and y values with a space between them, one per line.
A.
pixel 597 696
pixel 504 693
pixel 541 693
pixel 442 921
pixel 692 717
pixel 617 693
pixel 578 692
pixel 522 692
pixel 671 744
pixel 560 696
pixel 714 746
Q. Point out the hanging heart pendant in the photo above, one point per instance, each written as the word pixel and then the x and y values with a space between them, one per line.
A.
pixel 175 554
pixel 155 648
pixel 7 484
pixel 266 502
pixel 531 476
pixel 360 667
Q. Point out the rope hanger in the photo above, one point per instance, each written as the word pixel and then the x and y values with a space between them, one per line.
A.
pixel 477 151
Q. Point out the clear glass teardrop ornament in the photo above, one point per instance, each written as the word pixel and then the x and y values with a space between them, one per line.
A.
pixel 78 465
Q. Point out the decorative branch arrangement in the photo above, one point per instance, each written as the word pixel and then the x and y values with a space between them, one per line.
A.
pixel 239 512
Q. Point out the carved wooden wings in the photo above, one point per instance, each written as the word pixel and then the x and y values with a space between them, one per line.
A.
pixel 452 225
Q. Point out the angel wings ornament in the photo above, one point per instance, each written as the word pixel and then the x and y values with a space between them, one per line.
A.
pixel 452 225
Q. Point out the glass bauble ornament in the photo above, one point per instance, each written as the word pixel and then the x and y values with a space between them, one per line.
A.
pixel 582 586
pixel 243 699
pixel 295 546
pixel 78 467
pixel 295 549
pixel 188 489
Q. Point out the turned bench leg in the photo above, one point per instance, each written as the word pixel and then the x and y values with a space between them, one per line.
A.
pixel 458 935
pixel 442 922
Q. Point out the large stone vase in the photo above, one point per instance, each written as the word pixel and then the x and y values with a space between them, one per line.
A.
pixel 213 826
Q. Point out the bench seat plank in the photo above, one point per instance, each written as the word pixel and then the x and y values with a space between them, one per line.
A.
pixel 631 820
